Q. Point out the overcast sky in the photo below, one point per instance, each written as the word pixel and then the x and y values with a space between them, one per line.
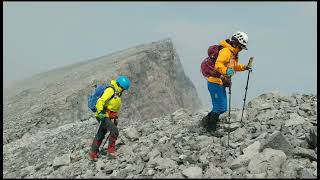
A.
pixel 39 36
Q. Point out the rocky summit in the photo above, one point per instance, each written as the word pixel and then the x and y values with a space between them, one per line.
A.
pixel 276 139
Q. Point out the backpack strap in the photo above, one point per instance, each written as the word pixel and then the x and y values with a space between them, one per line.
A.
pixel 216 73
pixel 114 92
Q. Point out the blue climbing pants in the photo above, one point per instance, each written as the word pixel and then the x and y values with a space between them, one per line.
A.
pixel 218 97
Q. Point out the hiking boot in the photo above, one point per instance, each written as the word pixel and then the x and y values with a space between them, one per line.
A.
pixel 112 147
pixel 95 145
pixel 111 152
pixel 213 120
pixel 204 121
pixel 93 155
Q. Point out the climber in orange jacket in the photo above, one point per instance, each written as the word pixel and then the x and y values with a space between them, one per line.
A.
pixel 226 64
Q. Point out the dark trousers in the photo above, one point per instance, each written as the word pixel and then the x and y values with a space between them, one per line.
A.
pixel 105 126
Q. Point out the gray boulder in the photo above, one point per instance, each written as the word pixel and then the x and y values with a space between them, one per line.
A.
pixel 213 172
pixel 163 140
pixel 162 163
pixel 291 168
pixel 238 135
pixel 277 141
pixel 288 99
pixel 269 161
pixel 132 133
pixel 305 153
pixel 249 152
pixel 307 174
pixel 261 175
pixel 265 106
pixel 193 172
pixel 294 120
pixel 306 107
pixel 61 161
pixel 312 137
pixel 203 141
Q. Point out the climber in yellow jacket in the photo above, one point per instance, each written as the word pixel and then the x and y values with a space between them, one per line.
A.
pixel 227 60
pixel 108 107
pixel 226 65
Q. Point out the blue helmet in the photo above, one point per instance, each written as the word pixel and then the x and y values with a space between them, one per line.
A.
pixel 123 82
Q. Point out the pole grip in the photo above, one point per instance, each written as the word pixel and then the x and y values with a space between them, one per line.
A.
pixel 250 62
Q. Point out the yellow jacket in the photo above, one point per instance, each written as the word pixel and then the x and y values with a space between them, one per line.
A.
pixel 227 57
pixel 113 104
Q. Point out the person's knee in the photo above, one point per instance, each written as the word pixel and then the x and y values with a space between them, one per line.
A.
pixel 100 136
pixel 219 108
pixel 224 109
pixel 114 132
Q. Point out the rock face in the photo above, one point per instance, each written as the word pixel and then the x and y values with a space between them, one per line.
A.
pixel 52 99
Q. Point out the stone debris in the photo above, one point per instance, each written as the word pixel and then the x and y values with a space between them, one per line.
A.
pixel 274 141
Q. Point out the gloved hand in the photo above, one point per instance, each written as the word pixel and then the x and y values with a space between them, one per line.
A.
pixel 112 115
pixel 226 81
pixel 230 71
pixel 101 115
pixel 247 67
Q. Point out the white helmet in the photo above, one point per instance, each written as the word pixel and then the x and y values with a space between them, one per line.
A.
pixel 242 38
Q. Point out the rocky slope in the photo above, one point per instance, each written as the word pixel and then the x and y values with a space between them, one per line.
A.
pixel 57 98
pixel 275 141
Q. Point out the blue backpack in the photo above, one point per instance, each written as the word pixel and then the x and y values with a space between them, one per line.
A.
pixel 95 95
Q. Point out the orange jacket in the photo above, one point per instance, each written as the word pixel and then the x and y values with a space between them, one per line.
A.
pixel 227 58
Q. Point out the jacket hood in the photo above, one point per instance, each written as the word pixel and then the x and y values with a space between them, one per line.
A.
pixel 225 44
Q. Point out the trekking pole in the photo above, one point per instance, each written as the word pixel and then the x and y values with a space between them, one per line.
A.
pixel 98 127
pixel 245 94
pixel 101 147
pixel 106 139
pixel 229 110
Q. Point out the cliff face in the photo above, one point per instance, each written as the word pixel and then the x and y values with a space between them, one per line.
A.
pixel 160 85
pixel 58 97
